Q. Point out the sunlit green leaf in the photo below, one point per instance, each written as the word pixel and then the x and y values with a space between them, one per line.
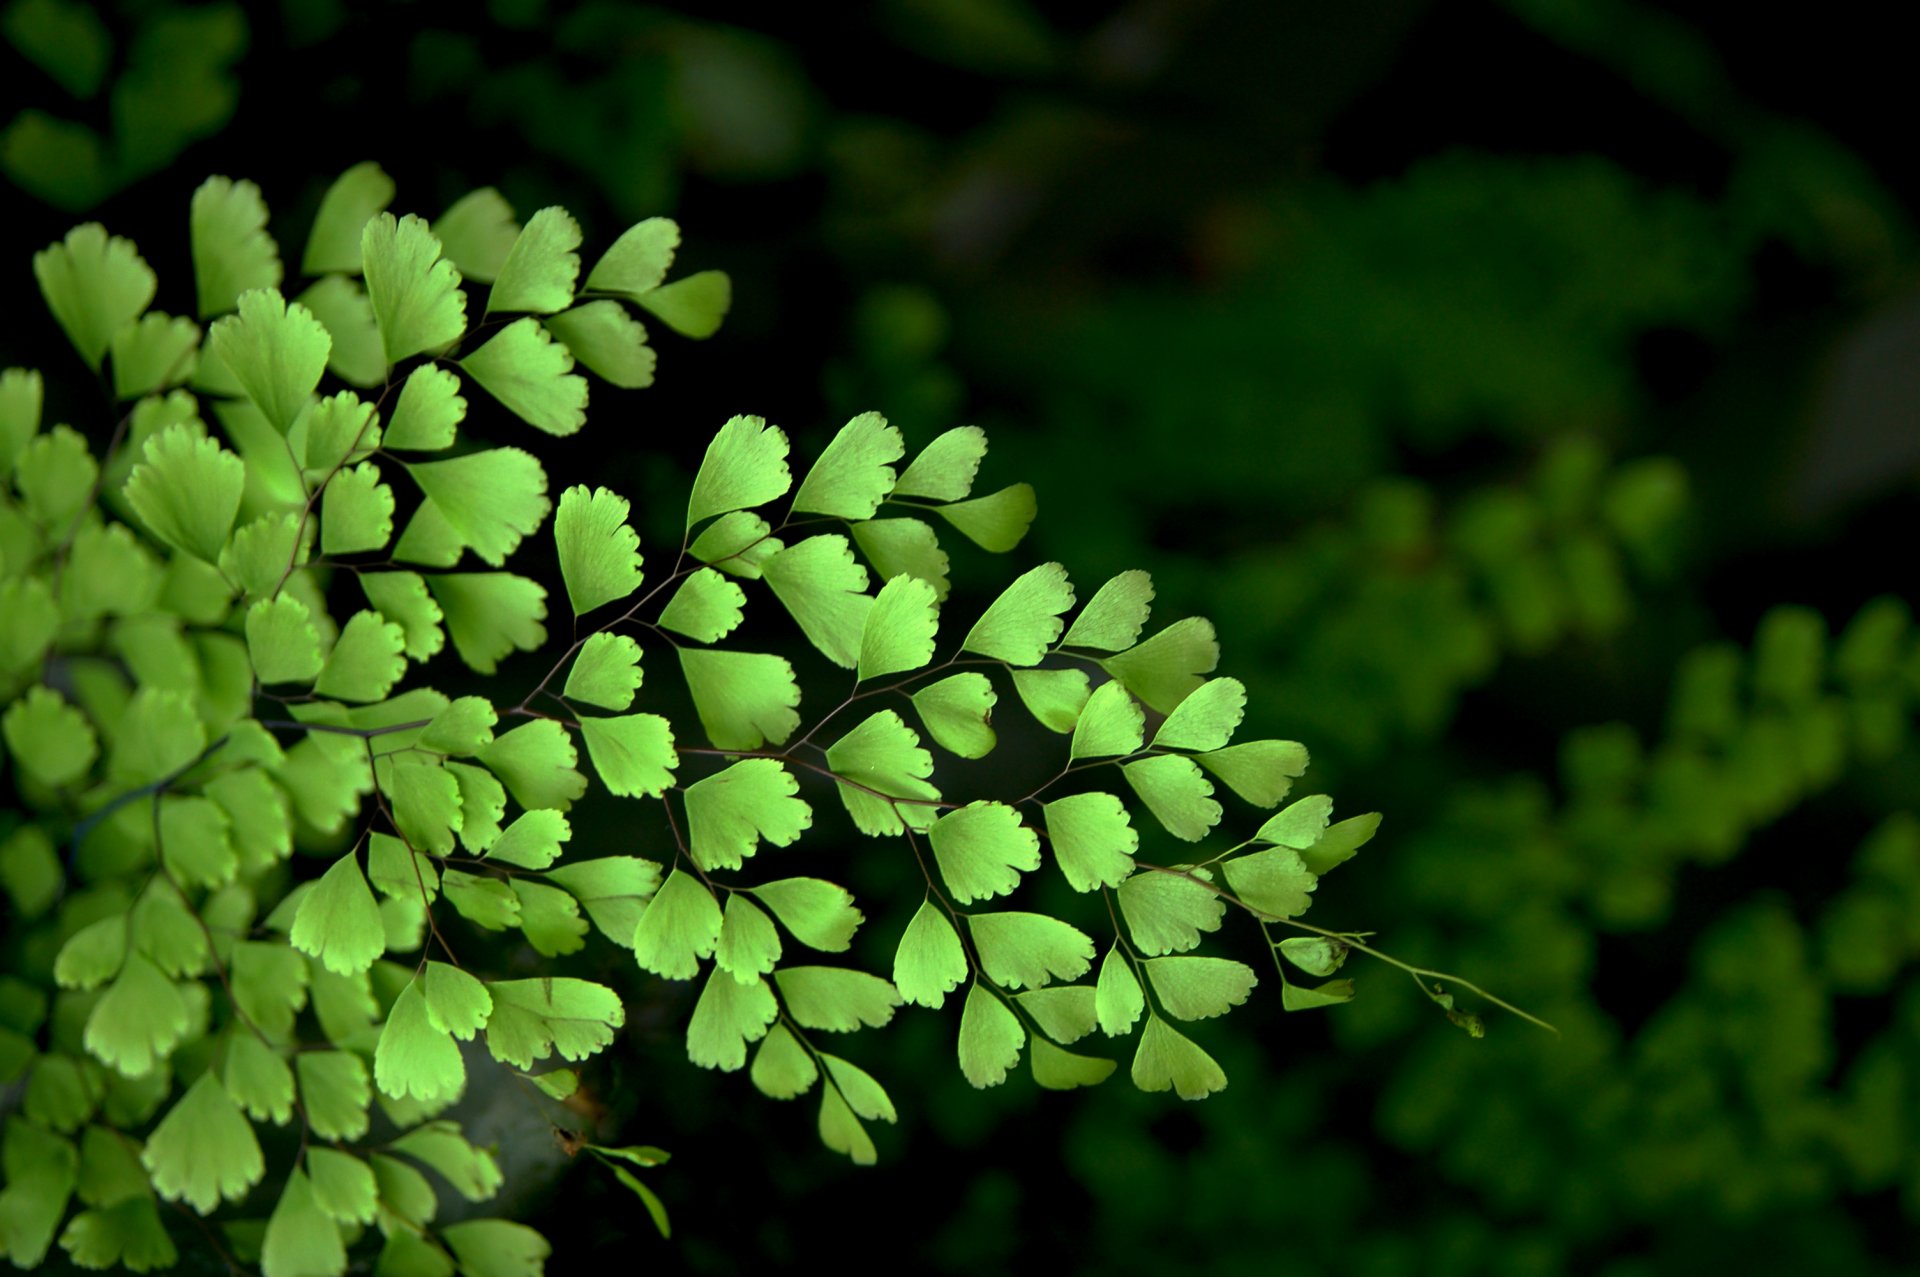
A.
pixel 203 1151
pixel 532 374
pixel 945 468
pixel 1176 792
pixel 883 772
pixel 990 1038
pixel 339 921
pixel 356 196
pixel 94 285
pixel 1260 771
pixel 1167 1060
pixel 820 914
pixel 490 614
pixel 706 606
pixel 1020 625
pixel 428 414
pixel 604 337
pixel 997 522
pixel 731 810
pixel 415 292
pixel 903 547
pixel 478 231
pixel 415 1058
pixel 1205 720
pixel 599 552
pixel 1166 912
pixel 730 1014
pixel 187 491
pixel 492 498
pixel 836 999
pixel 782 1069
pixel 1275 881
pixel 540 269
pixel 1167 667
pixel 232 252
pixel 929 962
pixel 824 588
pixel 681 925
pixel 745 466
pixel 693 305
pixel 1028 950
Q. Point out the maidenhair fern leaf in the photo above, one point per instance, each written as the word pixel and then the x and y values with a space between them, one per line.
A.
pixel 982 849
pixel 1168 1060
pixel 415 1058
pixel 1112 619
pixel 990 1038
pixel 338 921
pixel 749 942
pixel 606 672
pixel 276 352
pixel 1028 950
pixel 1059 1070
pixel 706 606
pixel 1191 988
pixel 232 252
pixel 854 473
pixel 415 292
pixel 730 1014
pixel 836 999
pixel 945 468
pixel 824 588
pixel 638 260
pixel 1340 842
pixel 1020 625
pixel 929 962
pixel 490 614
pixel 820 914
pixel 1176 792
pixel 1299 824
pixel 354 199
pixel 204 1150
pixel 95 285
pixel 692 306
pixel 50 740
pixel 1276 881
pixel 402 598
pixel 883 771
pixel 138 1021
pixel 342 308
pixel 1111 724
pixel 744 699
pixel 492 498
pixel 187 491
pixel 334 1093
pixel 532 374
pixel 731 810
pixel 745 466
pixel 356 513
pixel 1163 670
pixel 1054 697
pixel 540 269
pixel 366 661
pixel 599 551
pixel 282 641
pixel 1166 912
pixel 1117 996
pixel 534 1018
pixel 1064 1013
pixel 154 354
pixel 1260 771
pixel 958 713
pixel 997 522
pixel 604 337
pixel 903 547
pixel 1093 839
pixel 1207 719
pixel 681 925
pixel 477 232
pixel 841 1131
pixel 898 633
pixel 633 753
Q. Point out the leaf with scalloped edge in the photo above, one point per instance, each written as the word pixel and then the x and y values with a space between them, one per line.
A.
pixel 945 469
pixel 681 925
pixel 745 466
pixel 958 713
pixel 705 606
pixel 614 891
pixel 1093 839
pixel 532 374
pixel 51 741
pixel 354 199
pixel 1167 667
pixel 599 551
pixel 744 699
pixel 204 1150
pixel 153 354
pixel 1275 881
pixel 982 849
pixel 532 841
pixel 729 812
pixel 1339 843
pixel 489 614
pixel 737 543
pixel 606 672
pixel 343 1185
pixel 282 641
pixel 633 753
pixel 415 292
pixel 1193 988
pixel 692 305
pixel 1028 950
pixel 854 473
pixel 259 1080
pixel 1176 792
pixel 473 1172
pixel 1260 771
pixel 638 261
pixel 997 522
pixel 339 921
pixel 187 491
pixel 884 771
pixel 366 661
pixel 1112 619
pixel 991 1036
pixel 139 1020
pixel 1055 698
pixel 820 914
pixel 1299 824
pixel 749 942
pixel 536 762
pixel 532 1019
pixel 492 498
pixel 730 1014
pixel 903 547
pixel 335 1093
pixel 540 270
pixel 1166 912
pixel 604 337
pixel 836 999
pixel 428 414
pixel 356 513
pixel 415 1057
pixel 929 963
pixel 782 1069
pixel 899 630
pixel 1059 1070
pixel 95 285
pixel 232 252
pixel 1206 719
pixel 402 598
pixel 1168 1060
pixel 1117 997
pixel 1110 724
pixel 477 231
pixel 824 588
pixel 275 351
pixel 1020 625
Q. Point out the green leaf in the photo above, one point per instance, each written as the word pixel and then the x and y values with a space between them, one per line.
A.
pixel 1166 912
pixel 406 1193
pixel 301 1239
pixel 402 598
pixel 1112 619
pixel 903 547
pixel 820 914
pixel 428 414
pixel 836 999
pixel 744 699
pixel 558 1084
pixel 995 523
pixel 824 588
pixel 366 662
pixel 343 310
pixel 71 43
pixel 473 1172
pixel 492 498
pixel 729 1014
pixel 1315 955
pixel 729 811
pixel 464 726
pixel 854 473
pixel 604 337
pixel 945 468
pixel 841 1131
pixel 633 753
pixel 745 466
pixel 606 672
pixel 339 921
pixel 550 918
pixel 1295 997
pixel 982 849
pixel 1167 667
pixel 532 374
pixel 1299 825
pixel 94 285
pixel 429 539
pixel 486 902
pixel 490 614
pixel 1020 625
pixel 782 1069
pixel 203 1151
pixel 477 232
pixel 1200 988
pixel 415 292
pixel 55 476
pixel 398 870
pixel 1055 698
pixel 354 199
pixel 1177 794
pixel 929 962
pixel 898 634
pixel 1093 839
pixel 1059 1070
pixel 1117 998
pixel 1029 950
pixel 638 260
pixel 599 552
pixel 990 1039
pixel 532 841
pixel 356 514
pixel 51 741
pixel 614 891
pixel 534 1018
pixel 1066 1013
pixel 335 1093
pixel 540 269
pixel 857 1087
pixel 194 841
pixel 882 765
pixel 1207 719
pixel 1111 723
pixel 276 353
pixel 1276 881
pixel 958 712
pixel 536 761
pixel 343 1185
pixel 187 491
pixel 497 1248
pixel 258 1079
pixel 166 929
pixel 1260 771
pixel 269 982
pixel 1168 1060
pixel 335 430
pixel 681 925
pixel 1339 843
pixel 749 945
pixel 482 802
pixel 40 1170
pixel 157 352
pixel 415 1058
pixel 22 392
pixel 456 1003
pixel 692 306
pixel 706 606
pixel 139 1020
pixel 232 252
pixel 92 955
pixel 737 543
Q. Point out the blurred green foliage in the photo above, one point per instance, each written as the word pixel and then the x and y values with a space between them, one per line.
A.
pixel 1464 361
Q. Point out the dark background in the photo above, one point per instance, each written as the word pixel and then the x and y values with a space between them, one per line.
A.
pixel 1486 371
